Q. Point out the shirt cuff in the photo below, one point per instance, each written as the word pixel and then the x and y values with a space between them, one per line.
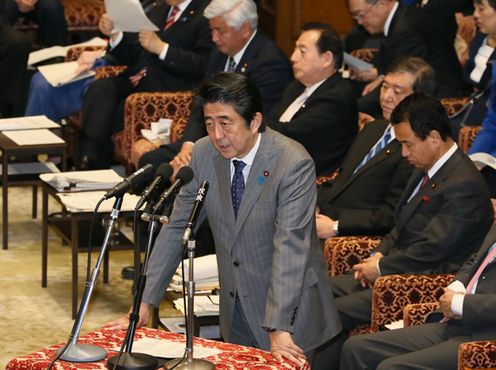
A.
pixel 114 43
pixel 456 286
pixel 163 53
pixel 457 304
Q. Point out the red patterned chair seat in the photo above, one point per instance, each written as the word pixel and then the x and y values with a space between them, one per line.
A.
pixel 416 313
pixel 81 15
pixel 342 252
pixel 140 110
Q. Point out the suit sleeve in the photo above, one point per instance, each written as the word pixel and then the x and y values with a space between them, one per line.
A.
pixel 478 309
pixel 462 208
pixel 292 243
pixel 381 219
pixel 167 251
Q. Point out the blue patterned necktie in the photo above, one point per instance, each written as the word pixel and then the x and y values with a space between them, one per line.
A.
pixel 376 148
pixel 238 185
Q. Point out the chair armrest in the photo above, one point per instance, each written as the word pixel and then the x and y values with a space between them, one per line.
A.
pixel 416 313
pixel 393 292
pixel 109 71
pixel 477 355
pixel 365 54
pixel 342 252
pixel 74 52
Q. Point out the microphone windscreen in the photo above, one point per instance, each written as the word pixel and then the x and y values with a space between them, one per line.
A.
pixel 165 171
pixel 185 174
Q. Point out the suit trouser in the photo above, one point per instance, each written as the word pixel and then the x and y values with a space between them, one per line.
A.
pixel 429 346
pixel 354 307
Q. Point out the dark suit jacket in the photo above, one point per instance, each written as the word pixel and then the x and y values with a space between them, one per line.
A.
pixel 364 202
pixel 478 308
pixel 413 33
pixel 446 221
pixel 263 61
pixel 189 47
pixel 326 123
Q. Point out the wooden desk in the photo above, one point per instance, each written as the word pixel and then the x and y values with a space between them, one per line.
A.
pixel 11 149
pixel 233 357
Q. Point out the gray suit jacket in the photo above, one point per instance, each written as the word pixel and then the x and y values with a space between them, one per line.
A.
pixel 270 255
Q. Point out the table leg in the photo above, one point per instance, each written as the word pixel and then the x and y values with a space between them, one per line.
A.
pixel 44 237
pixel 74 248
pixel 5 200
pixel 35 203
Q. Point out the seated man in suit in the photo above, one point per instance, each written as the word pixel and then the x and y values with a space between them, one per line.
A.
pixel 275 291
pixel 408 31
pixel 468 308
pixel 362 198
pixel 241 48
pixel 441 219
pixel 318 109
pixel 172 59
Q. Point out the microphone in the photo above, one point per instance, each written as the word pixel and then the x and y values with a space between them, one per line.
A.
pixel 129 182
pixel 200 198
pixel 184 175
pixel 163 173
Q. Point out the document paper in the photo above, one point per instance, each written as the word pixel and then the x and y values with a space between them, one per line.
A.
pixel 26 123
pixel 128 16
pixel 356 63
pixel 33 137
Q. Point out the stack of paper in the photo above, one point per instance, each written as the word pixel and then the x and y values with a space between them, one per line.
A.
pixel 206 274
pixel 26 123
pixel 86 201
pixel 205 305
pixel 82 180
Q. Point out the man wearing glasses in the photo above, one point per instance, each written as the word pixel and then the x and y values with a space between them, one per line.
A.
pixel 407 31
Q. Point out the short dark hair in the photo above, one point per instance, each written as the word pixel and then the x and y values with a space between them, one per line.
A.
pixel 236 90
pixel 492 3
pixel 329 40
pixel 423 74
pixel 424 114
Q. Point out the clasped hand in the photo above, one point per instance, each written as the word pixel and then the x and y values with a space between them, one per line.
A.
pixel 367 271
pixel 445 303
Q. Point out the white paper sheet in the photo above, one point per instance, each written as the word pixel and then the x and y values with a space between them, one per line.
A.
pixel 169 349
pixel 59 74
pixel 33 137
pixel 60 51
pixel 86 201
pixel 482 160
pixel 26 123
pixel 395 325
pixel 128 16
pixel 205 305
pixel 82 180
pixel 356 63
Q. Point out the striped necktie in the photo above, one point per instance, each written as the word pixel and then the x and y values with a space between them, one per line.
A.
pixel 172 17
pixel 231 65
pixel 381 144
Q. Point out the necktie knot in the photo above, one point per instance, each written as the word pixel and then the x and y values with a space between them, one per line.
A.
pixel 425 179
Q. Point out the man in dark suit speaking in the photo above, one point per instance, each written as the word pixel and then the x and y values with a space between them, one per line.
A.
pixel 468 303
pixel 362 198
pixel 275 291
pixel 442 216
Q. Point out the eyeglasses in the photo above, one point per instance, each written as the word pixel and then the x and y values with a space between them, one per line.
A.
pixel 358 16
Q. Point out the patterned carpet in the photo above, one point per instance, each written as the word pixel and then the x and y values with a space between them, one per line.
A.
pixel 32 317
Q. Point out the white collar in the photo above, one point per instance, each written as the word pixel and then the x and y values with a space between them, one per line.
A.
pixel 439 163
pixel 390 18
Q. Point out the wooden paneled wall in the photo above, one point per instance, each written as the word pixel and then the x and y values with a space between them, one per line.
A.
pixel 282 19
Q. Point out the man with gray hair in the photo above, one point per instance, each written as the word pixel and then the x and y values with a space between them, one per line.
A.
pixel 241 48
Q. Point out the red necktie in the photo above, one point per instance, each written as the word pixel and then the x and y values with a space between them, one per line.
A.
pixel 172 17
pixel 425 179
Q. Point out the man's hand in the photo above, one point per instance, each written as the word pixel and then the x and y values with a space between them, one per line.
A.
pixel 367 271
pixel 26 6
pixel 364 75
pixel 445 303
pixel 325 226
pixel 123 322
pixel 182 158
pixel 372 85
pixel 150 41
pixel 86 60
pixel 282 346
pixel 106 25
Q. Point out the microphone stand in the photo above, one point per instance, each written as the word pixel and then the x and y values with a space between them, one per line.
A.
pixel 190 363
pixel 128 360
pixel 75 352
